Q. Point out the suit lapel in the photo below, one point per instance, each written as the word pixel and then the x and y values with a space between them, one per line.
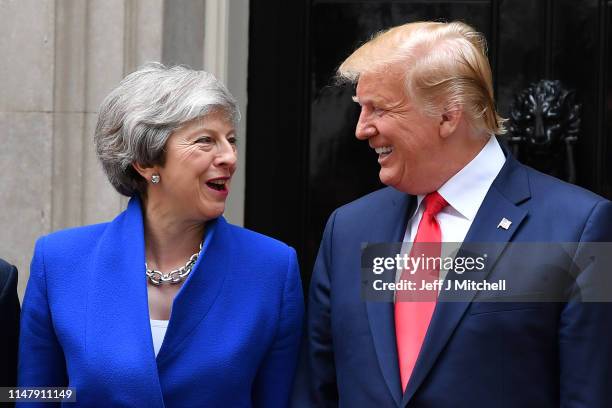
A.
pixel 390 226
pixel 117 309
pixel 510 188
pixel 200 290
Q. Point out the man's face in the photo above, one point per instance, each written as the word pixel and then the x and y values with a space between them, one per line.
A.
pixel 408 143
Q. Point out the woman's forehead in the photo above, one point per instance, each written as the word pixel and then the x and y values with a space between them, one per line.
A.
pixel 213 122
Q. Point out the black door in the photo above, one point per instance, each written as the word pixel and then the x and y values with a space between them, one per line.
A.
pixel 303 160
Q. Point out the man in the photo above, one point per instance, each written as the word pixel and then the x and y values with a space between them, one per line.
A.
pixel 427 108
pixel 9 324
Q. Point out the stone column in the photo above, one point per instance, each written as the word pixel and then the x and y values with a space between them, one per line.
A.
pixel 59 59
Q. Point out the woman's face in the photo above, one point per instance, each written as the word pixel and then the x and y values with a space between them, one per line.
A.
pixel 200 161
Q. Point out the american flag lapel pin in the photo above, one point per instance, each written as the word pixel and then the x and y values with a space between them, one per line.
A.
pixel 504 223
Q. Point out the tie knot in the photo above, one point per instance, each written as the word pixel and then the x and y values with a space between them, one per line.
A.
pixel 434 203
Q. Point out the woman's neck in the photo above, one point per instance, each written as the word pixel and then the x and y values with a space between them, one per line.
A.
pixel 169 241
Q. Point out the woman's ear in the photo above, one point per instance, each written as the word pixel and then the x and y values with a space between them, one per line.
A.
pixel 147 172
pixel 449 121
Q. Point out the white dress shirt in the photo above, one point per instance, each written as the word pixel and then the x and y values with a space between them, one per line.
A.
pixel 464 192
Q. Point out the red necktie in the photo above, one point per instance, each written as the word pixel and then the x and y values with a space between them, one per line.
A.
pixel 413 310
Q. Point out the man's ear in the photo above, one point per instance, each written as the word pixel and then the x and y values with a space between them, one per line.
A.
pixel 145 171
pixel 449 121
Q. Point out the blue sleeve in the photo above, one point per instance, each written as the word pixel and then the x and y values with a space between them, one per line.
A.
pixel 585 331
pixel 41 359
pixel 275 375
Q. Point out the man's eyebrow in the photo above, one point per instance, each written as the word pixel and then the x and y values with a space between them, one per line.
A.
pixel 367 101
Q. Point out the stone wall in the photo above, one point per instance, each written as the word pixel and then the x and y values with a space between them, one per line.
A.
pixel 59 59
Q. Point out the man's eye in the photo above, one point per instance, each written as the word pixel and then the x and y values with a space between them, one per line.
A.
pixel 379 111
pixel 232 140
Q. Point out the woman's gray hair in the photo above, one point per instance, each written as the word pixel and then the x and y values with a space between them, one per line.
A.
pixel 137 118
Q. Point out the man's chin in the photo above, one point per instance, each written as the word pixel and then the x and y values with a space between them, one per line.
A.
pixel 396 184
pixel 387 179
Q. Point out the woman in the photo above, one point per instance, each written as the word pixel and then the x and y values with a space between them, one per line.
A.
pixel 100 297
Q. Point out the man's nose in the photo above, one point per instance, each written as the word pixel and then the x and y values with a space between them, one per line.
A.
pixel 364 129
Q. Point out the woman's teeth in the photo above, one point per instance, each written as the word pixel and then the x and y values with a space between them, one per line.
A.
pixel 217 184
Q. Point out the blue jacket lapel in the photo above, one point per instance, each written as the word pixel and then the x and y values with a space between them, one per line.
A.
pixel 117 308
pixel 510 188
pixel 390 226
pixel 200 290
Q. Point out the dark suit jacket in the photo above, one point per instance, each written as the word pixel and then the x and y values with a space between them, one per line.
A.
pixel 9 324
pixel 474 354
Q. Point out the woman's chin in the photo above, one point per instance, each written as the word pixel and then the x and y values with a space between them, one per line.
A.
pixel 214 212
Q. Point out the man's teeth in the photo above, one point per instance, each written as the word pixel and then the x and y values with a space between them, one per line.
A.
pixel 384 150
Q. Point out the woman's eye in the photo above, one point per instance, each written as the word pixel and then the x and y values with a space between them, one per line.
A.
pixel 232 140
pixel 204 140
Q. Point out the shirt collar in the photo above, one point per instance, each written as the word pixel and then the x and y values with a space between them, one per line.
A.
pixel 466 190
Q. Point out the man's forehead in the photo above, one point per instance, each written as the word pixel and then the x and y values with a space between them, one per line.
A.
pixel 376 87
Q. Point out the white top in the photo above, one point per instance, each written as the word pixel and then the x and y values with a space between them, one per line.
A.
pixel 158 330
pixel 464 192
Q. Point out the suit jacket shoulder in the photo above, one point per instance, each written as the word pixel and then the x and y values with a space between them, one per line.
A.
pixel 373 201
pixel 255 243
pixel 547 187
pixel 71 242
pixel 6 274
pixel 568 211
pixel 386 209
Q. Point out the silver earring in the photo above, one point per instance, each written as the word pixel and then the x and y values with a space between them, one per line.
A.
pixel 155 179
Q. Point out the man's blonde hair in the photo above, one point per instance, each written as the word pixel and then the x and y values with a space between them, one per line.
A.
pixel 445 67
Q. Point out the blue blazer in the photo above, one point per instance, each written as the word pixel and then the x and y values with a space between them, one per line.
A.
pixel 233 334
pixel 475 354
